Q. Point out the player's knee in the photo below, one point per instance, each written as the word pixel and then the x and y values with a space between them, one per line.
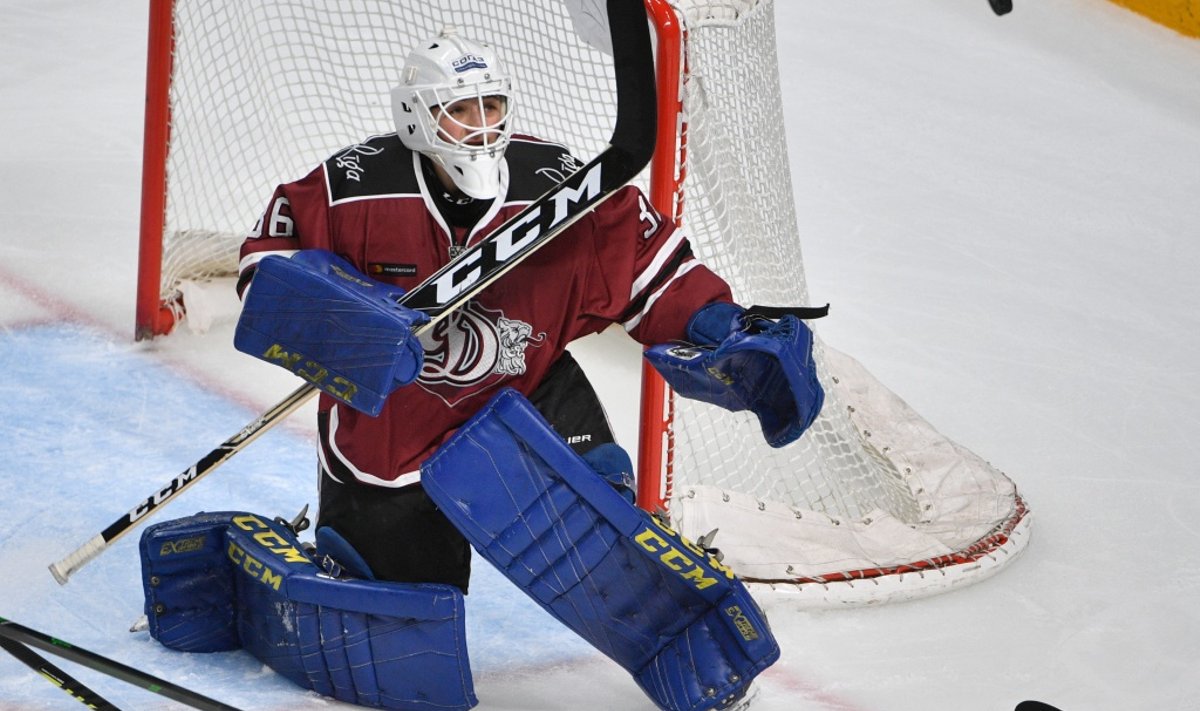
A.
pixel 612 463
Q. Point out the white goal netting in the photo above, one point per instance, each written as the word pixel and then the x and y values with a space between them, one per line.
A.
pixel 870 505
pixel 263 91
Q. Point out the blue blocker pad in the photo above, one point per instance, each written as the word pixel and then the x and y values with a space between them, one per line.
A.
pixel 222 581
pixel 766 368
pixel 322 319
pixel 655 603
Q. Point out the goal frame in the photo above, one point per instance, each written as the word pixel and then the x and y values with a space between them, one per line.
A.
pixel 152 316
pixel 155 317
pixel 869 582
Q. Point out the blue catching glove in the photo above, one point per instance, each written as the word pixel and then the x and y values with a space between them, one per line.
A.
pixel 745 361
pixel 322 319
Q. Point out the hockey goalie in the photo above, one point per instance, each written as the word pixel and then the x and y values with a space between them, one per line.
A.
pixel 479 431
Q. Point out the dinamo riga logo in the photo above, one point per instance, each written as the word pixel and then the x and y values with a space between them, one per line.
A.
pixel 472 350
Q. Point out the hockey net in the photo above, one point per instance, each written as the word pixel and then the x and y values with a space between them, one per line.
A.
pixel 870 505
pixel 245 95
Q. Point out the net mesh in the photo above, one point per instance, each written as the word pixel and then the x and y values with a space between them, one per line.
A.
pixel 262 91
pixel 871 489
pixel 738 197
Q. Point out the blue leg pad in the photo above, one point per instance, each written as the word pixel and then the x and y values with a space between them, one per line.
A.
pixel 676 619
pixel 220 581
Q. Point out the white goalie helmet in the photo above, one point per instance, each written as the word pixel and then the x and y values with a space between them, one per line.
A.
pixel 440 72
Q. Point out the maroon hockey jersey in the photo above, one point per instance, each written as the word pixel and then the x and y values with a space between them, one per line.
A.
pixel 371 204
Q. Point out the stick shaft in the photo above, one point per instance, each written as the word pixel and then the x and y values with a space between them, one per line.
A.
pixel 630 149
pixel 19 633
pixel 63 569
pixel 56 676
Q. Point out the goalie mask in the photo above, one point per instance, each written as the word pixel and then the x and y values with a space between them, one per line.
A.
pixel 454 105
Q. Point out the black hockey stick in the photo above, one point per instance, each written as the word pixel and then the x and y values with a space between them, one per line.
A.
pixel 56 676
pixel 630 149
pixel 1001 7
pixel 21 635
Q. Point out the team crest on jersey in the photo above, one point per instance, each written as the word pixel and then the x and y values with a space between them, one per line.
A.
pixel 472 351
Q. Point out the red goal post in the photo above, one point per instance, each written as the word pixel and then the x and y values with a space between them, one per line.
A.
pixel 155 316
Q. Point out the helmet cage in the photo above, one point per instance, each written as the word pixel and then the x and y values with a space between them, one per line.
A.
pixel 445 71
pixel 432 104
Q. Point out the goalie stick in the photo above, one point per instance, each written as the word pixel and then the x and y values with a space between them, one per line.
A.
pixel 19 635
pixel 630 149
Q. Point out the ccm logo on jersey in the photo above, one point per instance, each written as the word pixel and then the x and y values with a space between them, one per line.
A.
pixel 677 560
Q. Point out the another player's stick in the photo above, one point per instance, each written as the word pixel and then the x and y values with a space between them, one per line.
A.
pixel 19 635
pixel 630 149
pixel 56 676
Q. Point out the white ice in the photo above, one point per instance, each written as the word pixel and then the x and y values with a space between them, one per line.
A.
pixel 1004 213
